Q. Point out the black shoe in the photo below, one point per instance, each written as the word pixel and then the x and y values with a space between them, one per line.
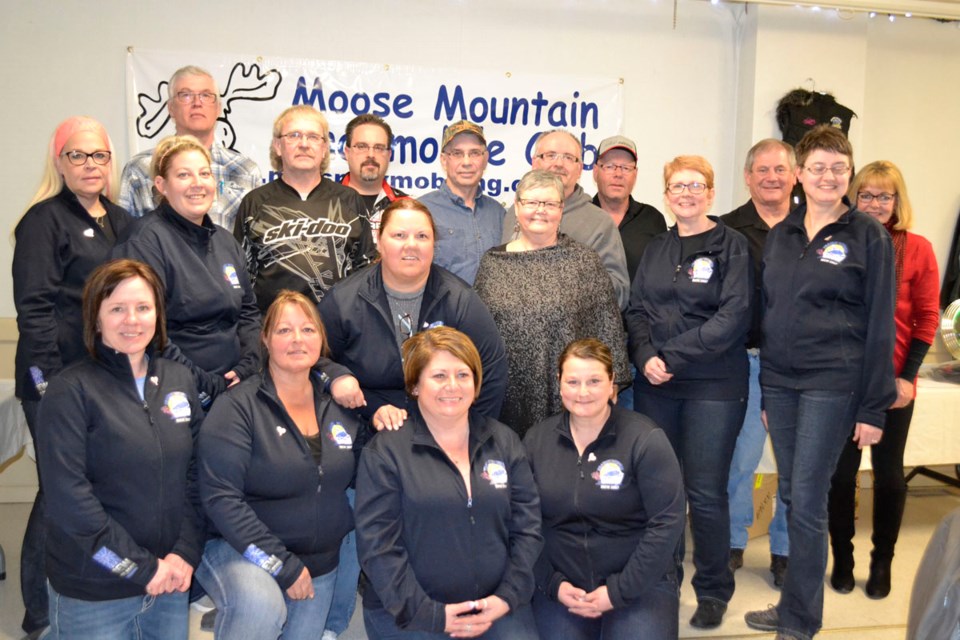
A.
pixel 209 620
pixel 736 559
pixel 778 567
pixel 709 614
pixel 878 585
pixel 763 620
pixel 841 578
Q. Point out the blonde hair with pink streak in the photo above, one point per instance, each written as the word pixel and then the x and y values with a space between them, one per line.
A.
pixel 52 182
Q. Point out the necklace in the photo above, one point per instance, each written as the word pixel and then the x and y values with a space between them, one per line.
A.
pixel 101 221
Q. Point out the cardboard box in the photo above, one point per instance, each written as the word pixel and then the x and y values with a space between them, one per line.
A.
pixel 764 499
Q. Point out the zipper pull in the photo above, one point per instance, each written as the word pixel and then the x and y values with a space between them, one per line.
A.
pixel 676 272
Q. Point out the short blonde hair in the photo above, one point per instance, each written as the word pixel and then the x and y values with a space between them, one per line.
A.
pixel 300 110
pixel 421 347
pixel 691 163
pixel 883 174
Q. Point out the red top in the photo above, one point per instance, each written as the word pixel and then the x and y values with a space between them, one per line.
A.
pixel 918 298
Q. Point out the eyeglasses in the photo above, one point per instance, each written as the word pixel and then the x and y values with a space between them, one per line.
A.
pixel 609 167
pixel 79 158
pixel 780 170
pixel 186 97
pixel 695 188
pixel 458 154
pixel 882 198
pixel 838 169
pixel 363 147
pixel 550 206
pixel 406 325
pixel 294 137
pixel 553 156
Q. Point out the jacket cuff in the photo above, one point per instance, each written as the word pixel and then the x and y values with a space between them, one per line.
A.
pixel 873 418
pixel 613 591
pixel 291 571
pixel 509 596
pixel 189 552
pixel 553 588
pixel 643 354
pixel 145 572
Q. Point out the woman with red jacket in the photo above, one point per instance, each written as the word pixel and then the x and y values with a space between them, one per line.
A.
pixel 880 191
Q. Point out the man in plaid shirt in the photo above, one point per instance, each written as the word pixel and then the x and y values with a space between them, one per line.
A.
pixel 194 105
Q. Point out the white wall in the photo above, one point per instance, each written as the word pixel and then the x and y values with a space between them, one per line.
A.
pixel 67 57
pixel 900 79
pixel 681 85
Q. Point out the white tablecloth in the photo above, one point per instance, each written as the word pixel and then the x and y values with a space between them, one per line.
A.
pixel 934 438
pixel 14 434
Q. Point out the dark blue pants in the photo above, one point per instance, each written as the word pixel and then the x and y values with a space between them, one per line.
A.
pixel 703 434
pixel 809 429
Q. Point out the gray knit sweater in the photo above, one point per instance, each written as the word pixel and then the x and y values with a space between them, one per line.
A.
pixel 542 300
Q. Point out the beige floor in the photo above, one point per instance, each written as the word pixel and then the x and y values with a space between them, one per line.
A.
pixel 846 617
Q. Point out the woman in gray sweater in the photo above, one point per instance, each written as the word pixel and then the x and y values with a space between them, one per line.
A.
pixel 544 290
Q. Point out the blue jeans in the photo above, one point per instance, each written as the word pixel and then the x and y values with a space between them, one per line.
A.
pixel 746 457
pixel 348 573
pixel 703 434
pixel 516 625
pixel 250 603
pixel 625 397
pixel 656 618
pixel 138 618
pixel 809 430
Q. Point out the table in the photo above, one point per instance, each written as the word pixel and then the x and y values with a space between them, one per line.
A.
pixel 934 438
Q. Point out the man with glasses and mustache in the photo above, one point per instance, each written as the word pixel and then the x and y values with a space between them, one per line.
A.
pixel 468 221
pixel 302 232
pixel 559 152
pixel 367 151
pixel 616 174
pixel 194 106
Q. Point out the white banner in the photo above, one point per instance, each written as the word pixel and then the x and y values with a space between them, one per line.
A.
pixel 417 102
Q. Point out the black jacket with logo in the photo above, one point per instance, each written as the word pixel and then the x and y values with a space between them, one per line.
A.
pixel 58 245
pixel 612 516
pixel 356 315
pixel 424 543
pixel 213 322
pixel 261 488
pixel 694 313
pixel 828 310
pixel 118 475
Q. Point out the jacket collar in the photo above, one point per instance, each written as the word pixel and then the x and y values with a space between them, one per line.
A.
pixel 714 238
pixel 480 430
pixel 797 216
pixel 609 429
pixel 386 191
pixel 117 363
pixel 268 388
pixel 633 209
pixel 199 233
pixel 375 292
pixel 69 199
